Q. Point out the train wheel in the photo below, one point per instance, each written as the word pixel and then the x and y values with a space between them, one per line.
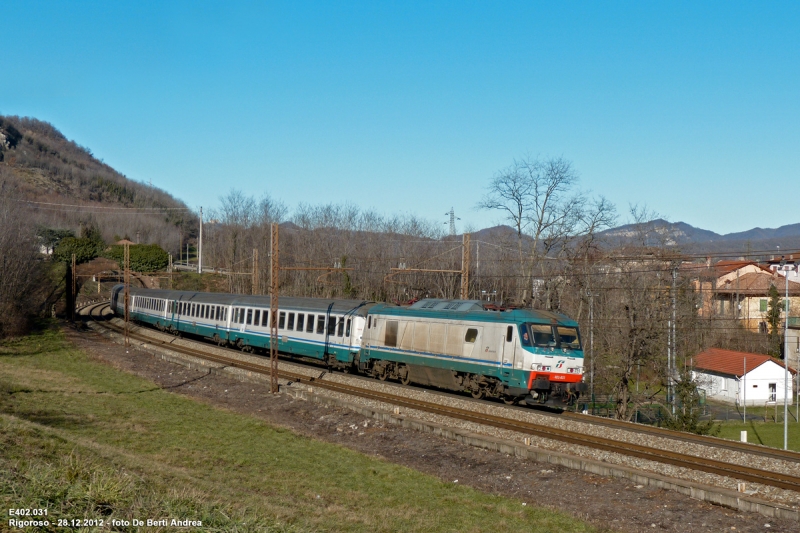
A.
pixel 383 375
pixel 510 400
pixel 478 393
pixel 405 380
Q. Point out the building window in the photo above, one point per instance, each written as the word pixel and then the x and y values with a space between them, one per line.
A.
pixel 762 305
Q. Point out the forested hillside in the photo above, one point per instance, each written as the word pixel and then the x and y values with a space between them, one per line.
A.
pixel 74 190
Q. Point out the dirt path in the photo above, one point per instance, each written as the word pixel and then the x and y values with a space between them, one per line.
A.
pixel 608 503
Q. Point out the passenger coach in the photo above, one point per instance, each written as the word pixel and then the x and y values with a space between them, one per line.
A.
pixel 328 330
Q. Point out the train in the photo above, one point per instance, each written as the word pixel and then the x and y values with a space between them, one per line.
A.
pixel 456 345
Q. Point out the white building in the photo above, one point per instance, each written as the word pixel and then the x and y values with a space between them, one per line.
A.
pixel 741 377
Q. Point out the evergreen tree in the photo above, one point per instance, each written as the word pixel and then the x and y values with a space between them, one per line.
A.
pixel 774 310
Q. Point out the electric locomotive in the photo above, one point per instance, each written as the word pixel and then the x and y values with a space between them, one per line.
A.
pixel 451 344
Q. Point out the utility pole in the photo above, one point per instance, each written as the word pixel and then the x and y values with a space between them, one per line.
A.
pixel 74 296
pixel 672 334
pixel 591 348
pixel 255 270
pixel 465 253
pixel 170 271
pixel 200 245
pixel 273 309
pixel 127 268
pixel 478 265
pixel 786 269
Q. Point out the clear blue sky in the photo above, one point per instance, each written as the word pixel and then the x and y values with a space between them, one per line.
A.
pixel 690 108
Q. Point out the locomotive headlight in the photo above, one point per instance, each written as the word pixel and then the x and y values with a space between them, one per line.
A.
pixel 536 366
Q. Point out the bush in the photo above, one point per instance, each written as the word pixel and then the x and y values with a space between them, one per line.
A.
pixel 144 257
pixel 83 248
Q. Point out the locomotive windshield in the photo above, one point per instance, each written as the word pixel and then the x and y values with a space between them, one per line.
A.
pixel 569 338
pixel 548 336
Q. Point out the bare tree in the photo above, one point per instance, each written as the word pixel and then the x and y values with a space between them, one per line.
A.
pixel 19 272
pixel 540 199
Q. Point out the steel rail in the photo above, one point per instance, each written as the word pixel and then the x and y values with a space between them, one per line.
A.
pixel 712 466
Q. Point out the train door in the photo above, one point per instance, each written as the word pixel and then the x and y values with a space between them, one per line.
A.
pixel 245 317
pixel 506 350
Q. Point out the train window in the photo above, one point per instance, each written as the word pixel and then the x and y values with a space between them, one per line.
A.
pixel 471 335
pixel 191 310
pixel 290 325
pixel 569 338
pixel 347 329
pixel 509 333
pixel 300 321
pixel 543 335
pixel 281 320
pixel 340 329
pixel 249 317
pixel 225 314
pixel 235 315
pixel 369 323
pixel 320 324
pixel 310 324
pixel 219 312
pixel 257 317
pixel 265 319
pixel 331 325
pixel 390 339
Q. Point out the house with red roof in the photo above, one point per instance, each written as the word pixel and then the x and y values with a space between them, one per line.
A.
pixel 742 377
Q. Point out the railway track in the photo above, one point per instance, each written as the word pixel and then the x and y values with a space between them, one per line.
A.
pixel 712 466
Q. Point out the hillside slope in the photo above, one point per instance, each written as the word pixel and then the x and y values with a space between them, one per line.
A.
pixel 42 165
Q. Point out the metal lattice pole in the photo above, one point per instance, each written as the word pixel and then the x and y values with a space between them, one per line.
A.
pixel 127 278
pixel 465 258
pixel 255 271
pixel 273 309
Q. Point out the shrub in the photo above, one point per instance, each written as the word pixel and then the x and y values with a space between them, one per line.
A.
pixel 144 257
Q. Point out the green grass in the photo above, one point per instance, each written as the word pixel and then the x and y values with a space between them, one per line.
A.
pixel 766 433
pixel 84 440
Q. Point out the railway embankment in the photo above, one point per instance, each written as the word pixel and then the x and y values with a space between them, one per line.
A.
pixel 701 485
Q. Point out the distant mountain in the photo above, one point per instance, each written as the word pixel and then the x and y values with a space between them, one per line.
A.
pixel 659 232
pixel 769 241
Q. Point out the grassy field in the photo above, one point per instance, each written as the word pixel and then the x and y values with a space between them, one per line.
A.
pixel 86 441
pixel 766 433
